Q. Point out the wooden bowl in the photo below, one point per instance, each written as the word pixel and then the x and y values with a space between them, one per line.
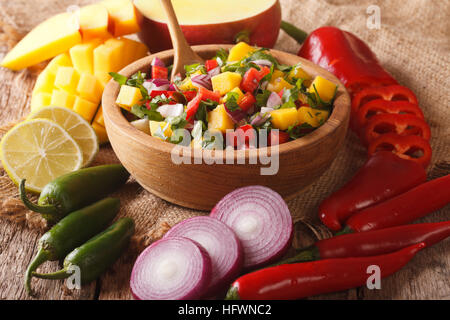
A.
pixel 201 186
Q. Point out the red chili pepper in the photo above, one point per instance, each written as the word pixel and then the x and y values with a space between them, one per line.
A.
pixel 381 106
pixel 401 124
pixel 211 64
pixel 301 280
pixel 247 102
pixel 404 208
pixel 347 57
pixel 382 177
pixel 390 93
pixel 278 137
pixel 159 72
pixel 412 148
pixel 373 243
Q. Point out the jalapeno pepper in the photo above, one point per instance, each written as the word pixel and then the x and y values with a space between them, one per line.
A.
pixel 97 255
pixel 76 190
pixel 412 148
pixel 401 124
pixel 301 280
pixel 380 106
pixel 373 243
pixel 382 177
pixel 71 232
pixel 404 208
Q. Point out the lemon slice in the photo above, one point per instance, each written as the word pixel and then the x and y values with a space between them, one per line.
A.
pixel 80 130
pixel 39 150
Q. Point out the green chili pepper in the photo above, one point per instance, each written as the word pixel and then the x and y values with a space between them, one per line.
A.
pixel 96 255
pixel 71 232
pixel 76 190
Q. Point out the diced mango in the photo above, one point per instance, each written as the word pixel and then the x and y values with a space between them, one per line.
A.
pixel 106 61
pixel 118 46
pixel 160 130
pixel 324 87
pixel 101 133
pixel 313 117
pixel 239 92
pixel 219 120
pixel 128 97
pixel 94 22
pixel 62 60
pixel 61 98
pixel 89 88
pixel 40 100
pixel 134 50
pixel 82 56
pixel 126 18
pixel 186 85
pixel 50 38
pixel 99 117
pixel 67 79
pixel 298 73
pixel 278 85
pixel 276 74
pixel 44 82
pixel 284 118
pixel 85 108
pixel 226 81
pixel 240 51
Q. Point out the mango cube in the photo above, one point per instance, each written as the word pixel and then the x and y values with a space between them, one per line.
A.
pixel 118 47
pixel 160 130
pixel 239 93
pixel 61 98
pixel 67 79
pixel 298 73
pixel 225 82
pixel 278 85
pixel 240 51
pixel 101 133
pixel 284 118
pixel 50 38
pixel 85 108
pixel 276 74
pixel 134 50
pixel 99 117
pixel 82 56
pixel 44 82
pixel 106 61
pixel 219 120
pixel 94 22
pixel 40 100
pixel 89 88
pixel 128 97
pixel 313 117
pixel 62 60
pixel 324 87
pixel 125 16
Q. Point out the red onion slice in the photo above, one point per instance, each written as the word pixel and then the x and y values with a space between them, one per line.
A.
pixel 274 100
pixel 221 243
pixel 214 72
pixel 157 85
pixel 171 110
pixel 171 269
pixel 158 62
pixel 260 119
pixel 263 62
pixel 203 80
pixel 261 220
pixel 236 115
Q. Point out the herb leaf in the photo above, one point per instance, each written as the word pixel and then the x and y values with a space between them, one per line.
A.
pixel 143 113
pixel 120 79
pixel 232 101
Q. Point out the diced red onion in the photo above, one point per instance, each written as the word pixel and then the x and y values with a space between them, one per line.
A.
pixel 203 80
pixel 274 100
pixel 221 243
pixel 260 119
pixel 171 110
pixel 263 62
pixel 173 87
pixel 171 269
pixel 236 115
pixel 214 72
pixel 157 85
pixel 261 220
pixel 158 62
pixel 265 110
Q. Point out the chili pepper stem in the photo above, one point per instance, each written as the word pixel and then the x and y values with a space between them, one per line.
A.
pixel 49 209
pixel 304 255
pixel 61 274
pixel 232 294
pixel 297 34
pixel 346 230
pixel 41 257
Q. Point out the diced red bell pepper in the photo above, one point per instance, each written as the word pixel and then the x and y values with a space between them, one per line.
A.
pixel 202 95
pixel 211 64
pixel 278 137
pixel 250 81
pixel 206 94
pixel 401 124
pixel 263 72
pixel 280 94
pixel 413 148
pixel 247 102
pixel 190 95
pixel 381 106
pixel 159 72
pixel 242 137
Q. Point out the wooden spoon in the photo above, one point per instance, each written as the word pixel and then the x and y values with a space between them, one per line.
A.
pixel 183 53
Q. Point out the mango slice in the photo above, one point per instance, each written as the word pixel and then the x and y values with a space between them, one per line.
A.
pixel 94 22
pixel 50 38
pixel 82 56
pixel 125 17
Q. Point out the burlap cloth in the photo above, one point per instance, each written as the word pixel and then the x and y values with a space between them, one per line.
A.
pixel 413 44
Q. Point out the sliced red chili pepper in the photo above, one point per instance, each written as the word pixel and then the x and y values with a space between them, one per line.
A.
pixel 278 137
pixel 211 64
pixel 413 148
pixel 247 102
pixel 402 124
pixel 378 106
pixel 404 208
pixel 159 72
